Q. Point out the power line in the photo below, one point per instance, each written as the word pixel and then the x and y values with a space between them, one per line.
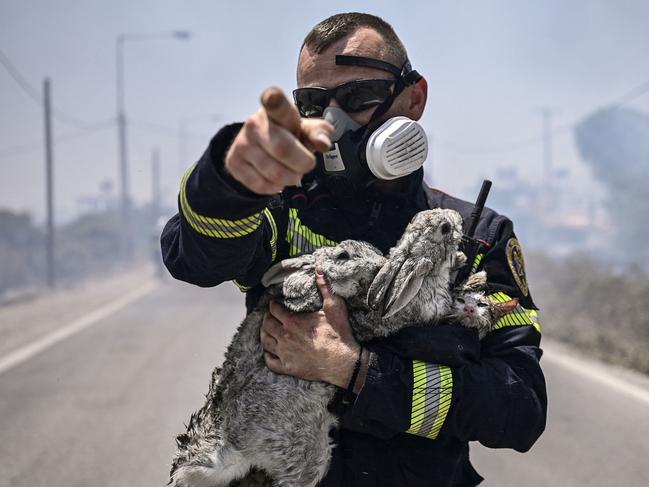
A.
pixel 165 130
pixel 535 140
pixel 18 78
pixel 468 150
pixel 458 147
pixel 34 94
pixel 38 145
pixel 91 129
pixel 633 94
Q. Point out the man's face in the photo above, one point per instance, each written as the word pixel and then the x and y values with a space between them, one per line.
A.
pixel 320 70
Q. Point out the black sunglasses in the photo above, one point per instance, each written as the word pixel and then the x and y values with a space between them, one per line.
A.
pixel 353 96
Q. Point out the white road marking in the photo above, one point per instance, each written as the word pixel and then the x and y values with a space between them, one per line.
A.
pixel 589 369
pixel 595 371
pixel 23 354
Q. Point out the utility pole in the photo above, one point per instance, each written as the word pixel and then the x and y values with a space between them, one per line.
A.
pixel 125 213
pixel 546 114
pixel 125 202
pixel 547 200
pixel 183 138
pixel 49 186
pixel 155 186
pixel 430 159
pixel 182 147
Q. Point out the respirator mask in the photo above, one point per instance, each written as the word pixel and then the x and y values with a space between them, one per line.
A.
pixel 360 156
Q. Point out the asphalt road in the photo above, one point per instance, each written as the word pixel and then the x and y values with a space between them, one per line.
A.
pixel 101 406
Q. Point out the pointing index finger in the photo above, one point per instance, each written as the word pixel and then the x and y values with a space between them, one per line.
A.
pixel 280 110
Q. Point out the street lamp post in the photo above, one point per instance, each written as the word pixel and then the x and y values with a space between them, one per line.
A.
pixel 183 161
pixel 122 141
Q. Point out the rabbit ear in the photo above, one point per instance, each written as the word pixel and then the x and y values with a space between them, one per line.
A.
pixel 459 260
pixel 396 285
pixel 501 309
pixel 406 285
pixel 280 271
pixel 475 282
pixel 381 283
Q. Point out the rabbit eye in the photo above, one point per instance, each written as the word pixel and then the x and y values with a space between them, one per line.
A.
pixel 344 255
pixel 445 228
pixel 460 300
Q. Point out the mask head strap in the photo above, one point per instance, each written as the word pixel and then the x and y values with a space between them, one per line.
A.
pixel 405 75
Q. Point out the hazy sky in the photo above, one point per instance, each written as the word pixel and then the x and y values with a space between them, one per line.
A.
pixel 490 66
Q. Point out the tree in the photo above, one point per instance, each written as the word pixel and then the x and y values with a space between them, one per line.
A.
pixel 21 253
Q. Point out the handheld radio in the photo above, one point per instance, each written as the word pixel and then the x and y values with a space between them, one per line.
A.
pixel 470 245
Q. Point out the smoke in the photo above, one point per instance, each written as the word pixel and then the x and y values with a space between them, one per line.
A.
pixel 615 143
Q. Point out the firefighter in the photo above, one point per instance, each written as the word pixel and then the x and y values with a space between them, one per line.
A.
pixel 298 176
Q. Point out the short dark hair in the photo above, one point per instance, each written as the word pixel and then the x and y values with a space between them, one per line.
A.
pixel 339 26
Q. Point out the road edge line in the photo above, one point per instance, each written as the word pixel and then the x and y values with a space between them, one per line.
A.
pixel 26 352
pixel 583 368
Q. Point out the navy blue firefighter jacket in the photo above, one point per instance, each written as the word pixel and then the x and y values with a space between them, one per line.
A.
pixel 429 391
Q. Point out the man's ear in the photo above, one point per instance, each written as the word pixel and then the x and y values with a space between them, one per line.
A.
pixel 417 99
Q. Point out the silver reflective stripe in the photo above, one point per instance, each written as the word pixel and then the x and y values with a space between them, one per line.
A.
pixel 216 227
pixel 431 401
pixel 431 398
pixel 301 239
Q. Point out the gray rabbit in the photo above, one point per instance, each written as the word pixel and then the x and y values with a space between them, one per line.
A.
pixel 256 419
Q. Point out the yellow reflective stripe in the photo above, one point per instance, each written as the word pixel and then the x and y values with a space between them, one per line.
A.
pixel 273 235
pixel 535 318
pixel 273 246
pixel 499 297
pixel 418 396
pixel 519 317
pixel 242 287
pixel 301 239
pixel 476 262
pixel 431 398
pixel 215 227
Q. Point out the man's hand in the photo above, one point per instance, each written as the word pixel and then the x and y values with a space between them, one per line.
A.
pixel 275 147
pixel 313 346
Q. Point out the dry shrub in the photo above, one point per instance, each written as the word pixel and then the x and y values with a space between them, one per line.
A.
pixel 594 306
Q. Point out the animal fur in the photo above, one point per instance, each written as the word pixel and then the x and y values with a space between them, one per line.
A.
pixel 472 307
pixel 256 419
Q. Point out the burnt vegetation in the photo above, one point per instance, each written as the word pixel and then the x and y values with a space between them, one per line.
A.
pixel 600 308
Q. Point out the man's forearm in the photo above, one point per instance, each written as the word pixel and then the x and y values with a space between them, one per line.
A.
pixel 499 401
pixel 220 232
pixel 341 375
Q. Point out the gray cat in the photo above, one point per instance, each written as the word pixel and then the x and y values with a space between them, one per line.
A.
pixel 256 419
pixel 472 308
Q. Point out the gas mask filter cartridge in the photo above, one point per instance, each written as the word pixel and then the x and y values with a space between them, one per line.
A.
pixel 397 148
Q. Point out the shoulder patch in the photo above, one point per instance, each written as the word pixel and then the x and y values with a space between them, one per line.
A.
pixel 517 264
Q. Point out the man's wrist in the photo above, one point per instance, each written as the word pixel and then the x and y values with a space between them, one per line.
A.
pixel 342 372
pixel 362 372
pixel 218 152
pixel 341 376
